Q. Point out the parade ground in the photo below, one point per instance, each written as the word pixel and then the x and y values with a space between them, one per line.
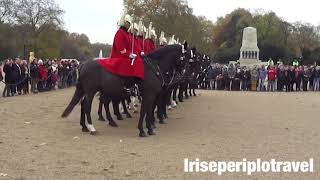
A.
pixel 35 143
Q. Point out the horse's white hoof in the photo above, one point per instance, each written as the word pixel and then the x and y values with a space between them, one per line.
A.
pixel 174 104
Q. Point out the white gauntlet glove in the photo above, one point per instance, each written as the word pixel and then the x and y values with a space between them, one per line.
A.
pixel 132 56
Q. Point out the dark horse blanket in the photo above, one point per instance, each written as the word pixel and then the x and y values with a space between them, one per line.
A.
pixel 123 67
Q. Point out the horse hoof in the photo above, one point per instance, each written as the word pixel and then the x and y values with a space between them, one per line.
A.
pixel 162 122
pixel 113 124
pixel 151 133
pixel 119 118
pixel 85 130
pixel 93 133
pixel 101 119
pixel 142 134
pixel 129 116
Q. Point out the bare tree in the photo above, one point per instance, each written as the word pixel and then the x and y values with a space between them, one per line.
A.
pixel 6 10
pixel 38 15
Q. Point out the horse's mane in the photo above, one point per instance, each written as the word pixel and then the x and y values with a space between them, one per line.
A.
pixel 158 53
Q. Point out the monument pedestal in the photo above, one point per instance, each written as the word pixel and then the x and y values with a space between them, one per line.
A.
pixel 249 52
pixel 250 62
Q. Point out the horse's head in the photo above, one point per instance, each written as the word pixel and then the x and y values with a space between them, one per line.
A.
pixel 172 57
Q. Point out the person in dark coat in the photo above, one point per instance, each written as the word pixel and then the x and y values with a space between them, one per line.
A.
pixel 298 77
pixel 50 75
pixel 16 76
pixel 34 75
pixel 246 78
pixel 292 77
pixel 286 79
pixel 281 78
pixel 9 79
pixel 237 79
pixel 25 77
pixel 311 79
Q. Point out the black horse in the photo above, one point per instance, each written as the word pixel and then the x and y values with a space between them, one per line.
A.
pixel 94 78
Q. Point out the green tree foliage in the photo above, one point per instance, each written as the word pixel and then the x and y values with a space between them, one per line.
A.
pixel 174 17
pixel 36 25
pixel 277 39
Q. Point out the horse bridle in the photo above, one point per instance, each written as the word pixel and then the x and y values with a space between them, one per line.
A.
pixel 156 69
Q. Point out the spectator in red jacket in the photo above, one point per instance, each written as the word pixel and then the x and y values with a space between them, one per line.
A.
pixel 42 75
pixel 272 75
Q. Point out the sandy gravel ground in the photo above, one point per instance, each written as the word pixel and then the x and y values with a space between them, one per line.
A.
pixel 35 143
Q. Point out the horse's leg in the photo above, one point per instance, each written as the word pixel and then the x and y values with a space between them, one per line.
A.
pixel 142 116
pixel 150 114
pixel 116 103
pixel 190 89
pixel 112 123
pixel 174 93
pixel 83 117
pixel 88 104
pixel 159 111
pixel 162 109
pixel 186 90
pixel 180 94
pixel 100 112
pixel 167 102
pixel 125 110
pixel 153 119
pixel 194 92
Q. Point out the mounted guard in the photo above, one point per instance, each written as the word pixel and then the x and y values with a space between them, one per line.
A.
pixel 150 39
pixel 125 59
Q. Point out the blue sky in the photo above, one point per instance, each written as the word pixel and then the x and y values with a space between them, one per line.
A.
pixel 98 18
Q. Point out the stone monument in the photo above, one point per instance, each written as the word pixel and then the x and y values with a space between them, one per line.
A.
pixel 249 52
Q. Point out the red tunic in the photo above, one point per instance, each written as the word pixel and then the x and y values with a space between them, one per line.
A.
pixel 146 47
pixel 152 46
pixel 120 63
pixel 137 44
pixel 121 42
pixel 149 44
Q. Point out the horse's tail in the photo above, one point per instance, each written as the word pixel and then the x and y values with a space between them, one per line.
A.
pixel 78 94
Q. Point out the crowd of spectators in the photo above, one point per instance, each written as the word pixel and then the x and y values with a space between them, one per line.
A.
pixel 38 76
pixel 277 77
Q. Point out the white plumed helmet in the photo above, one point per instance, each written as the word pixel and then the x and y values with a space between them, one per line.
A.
pixel 125 18
pixel 153 34
pixel 172 41
pixel 140 28
pixel 162 39
pixel 134 28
